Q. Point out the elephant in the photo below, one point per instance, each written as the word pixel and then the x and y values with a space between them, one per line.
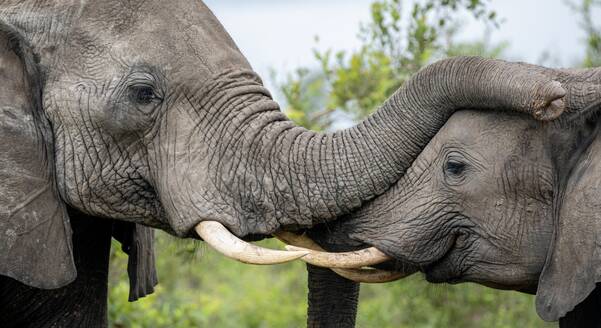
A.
pixel 119 117
pixel 495 198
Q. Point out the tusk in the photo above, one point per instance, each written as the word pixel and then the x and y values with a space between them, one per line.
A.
pixel 218 237
pixel 370 276
pixel 346 260
pixel 357 275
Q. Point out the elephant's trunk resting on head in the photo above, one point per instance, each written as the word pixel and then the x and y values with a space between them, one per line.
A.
pixel 281 175
pixel 293 178
pixel 480 204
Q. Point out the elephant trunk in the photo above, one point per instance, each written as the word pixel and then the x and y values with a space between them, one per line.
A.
pixel 332 300
pixel 318 177
pixel 256 172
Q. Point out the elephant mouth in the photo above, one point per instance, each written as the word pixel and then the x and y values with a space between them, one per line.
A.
pixel 453 268
pixel 441 270
pixel 444 271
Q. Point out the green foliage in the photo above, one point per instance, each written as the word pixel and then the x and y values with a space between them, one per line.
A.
pixel 200 288
pixel 586 10
pixel 396 43
pixel 415 303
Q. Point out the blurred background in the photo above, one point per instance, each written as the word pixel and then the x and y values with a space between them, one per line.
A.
pixel 330 63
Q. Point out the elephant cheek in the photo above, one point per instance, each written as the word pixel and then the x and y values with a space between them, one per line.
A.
pixel 185 190
pixel 187 201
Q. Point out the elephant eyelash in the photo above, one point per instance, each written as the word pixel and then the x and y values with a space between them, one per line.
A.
pixel 454 168
pixel 144 94
pixel 146 84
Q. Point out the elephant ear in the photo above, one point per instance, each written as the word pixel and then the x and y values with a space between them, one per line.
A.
pixel 586 314
pixel 138 242
pixel 35 234
pixel 573 265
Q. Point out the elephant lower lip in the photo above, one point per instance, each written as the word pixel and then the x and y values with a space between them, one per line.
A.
pixel 438 274
pixel 440 271
pixel 437 277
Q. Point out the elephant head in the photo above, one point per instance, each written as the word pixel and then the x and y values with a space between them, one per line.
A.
pixel 476 205
pixel 490 201
pixel 147 112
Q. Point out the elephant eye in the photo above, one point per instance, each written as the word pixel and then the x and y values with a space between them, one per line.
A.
pixel 454 167
pixel 143 95
pixel 454 170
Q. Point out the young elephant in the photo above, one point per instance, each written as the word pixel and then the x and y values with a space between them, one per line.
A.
pixel 333 300
pixel 488 201
pixel 475 206
pixel 457 214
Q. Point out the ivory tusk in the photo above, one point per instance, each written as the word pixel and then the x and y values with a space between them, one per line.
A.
pixel 345 260
pixel 364 275
pixel 218 237
pixel 370 276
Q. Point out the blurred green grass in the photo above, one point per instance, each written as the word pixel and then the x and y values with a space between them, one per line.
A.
pixel 200 288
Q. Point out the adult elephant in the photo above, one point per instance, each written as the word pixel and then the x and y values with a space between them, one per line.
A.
pixel 490 201
pixel 146 112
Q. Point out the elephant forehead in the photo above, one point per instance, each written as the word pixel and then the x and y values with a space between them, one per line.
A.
pixel 157 32
pixel 493 131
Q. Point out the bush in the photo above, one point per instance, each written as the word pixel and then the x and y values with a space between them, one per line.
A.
pixel 200 288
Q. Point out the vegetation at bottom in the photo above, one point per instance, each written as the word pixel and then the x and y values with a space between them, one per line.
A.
pixel 200 288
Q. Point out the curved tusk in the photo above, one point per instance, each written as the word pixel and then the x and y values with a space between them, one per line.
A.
pixel 345 260
pixel 371 276
pixel 218 237
pixel 363 275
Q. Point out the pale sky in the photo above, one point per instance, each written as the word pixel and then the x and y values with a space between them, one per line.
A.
pixel 279 34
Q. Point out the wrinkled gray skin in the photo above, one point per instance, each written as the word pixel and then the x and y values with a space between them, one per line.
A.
pixel 490 201
pixel 476 205
pixel 146 112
